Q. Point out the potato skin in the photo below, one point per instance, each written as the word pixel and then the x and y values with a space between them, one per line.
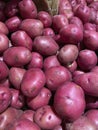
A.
pixel 3 28
pixel 65 100
pixel 33 81
pixel 17 56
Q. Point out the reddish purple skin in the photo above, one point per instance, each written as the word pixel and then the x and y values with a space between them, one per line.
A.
pixel 2 16
pixel 84 61
pixel 93 116
pixel 46 117
pixel 3 28
pixel 72 67
pixel 5 83
pixel 40 100
pixel 4 70
pixel 17 100
pixel 28 114
pixel 93 15
pixel 48 32
pixel 58 127
pixel 4 42
pixel 45 45
pixel 77 72
pixel 51 61
pixel 33 27
pixel 88 81
pixel 36 61
pixel 23 124
pixel 71 34
pixel 55 76
pixel 90 26
pixel 95 69
pixel 33 81
pixel 27 9
pixel 18 76
pixel 94 5
pixel 62 21
pixel 5 98
pixel 45 18
pixel 90 39
pixel 17 56
pixel 21 38
pixel 65 100
pixel 13 23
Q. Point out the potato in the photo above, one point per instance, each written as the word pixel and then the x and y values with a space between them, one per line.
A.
pixel 18 76
pixel 21 38
pixel 45 45
pixel 27 9
pixel 48 32
pixel 55 76
pixel 65 100
pixel 3 28
pixel 33 81
pixel 4 70
pixel 72 67
pixel 17 56
pixel 33 27
pixel 40 100
pixel 89 26
pixel 46 117
pixel 88 81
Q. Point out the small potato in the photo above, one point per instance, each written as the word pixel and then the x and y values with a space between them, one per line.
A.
pixel 84 61
pixel 51 61
pixel 45 45
pixel 88 81
pixel 45 18
pixel 65 100
pixel 27 9
pixel 33 81
pixel 13 23
pixel 55 76
pixel 4 42
pixel 71 34
pixel 17 56
pixel 4 71
pixel 3 28
pixel 48 32
pixel 68 54
pixel 36 61
pixel 46 118
pixel 21 38
pixel 40 100
pixel 33 27
pixel 5 98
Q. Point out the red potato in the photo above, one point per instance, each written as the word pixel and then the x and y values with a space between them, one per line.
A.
pixel 36 61
pixel 48 32
pixel 77 72
pixel 13 23
pixel 17 100
pixel 72 67
pixel 5 98
pixel 62 21
pixel 27 9
pixel 18 76
pixel 46 118
pixel 3 28
pixel 45 45
pixel 17 56
pixel 89 26
pixel 58 127
pixel 94 5
pixel 65 8
pixel 21 38
pixel 33 81
pixel 68 54
pixel 95 69
pixel 65 100
pixel 90 39
pixel 4 70
pixel 84 61
pixel 11 8
pixel 51 61
pixel 82 123
pixel 40 100
pixel 8 117
pixel 23 124
pixel 93 116
pixel 88 81
pixel 93 15
pixel 28 114
pixel 4 42
pixel 5 83
pixel 55 76
pixel 45 18
pixel 71 34
pixel 33 27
